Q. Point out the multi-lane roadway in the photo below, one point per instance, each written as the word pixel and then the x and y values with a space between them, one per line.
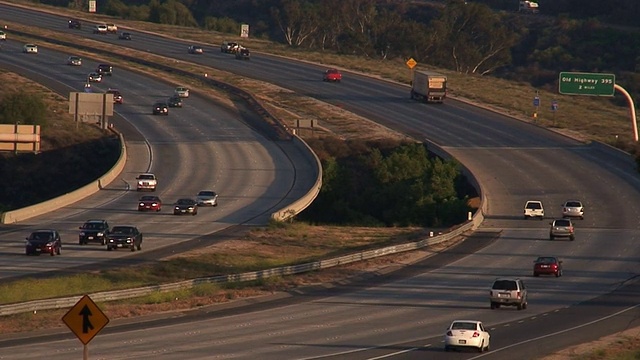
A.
pixel 404 318
pixel 203 145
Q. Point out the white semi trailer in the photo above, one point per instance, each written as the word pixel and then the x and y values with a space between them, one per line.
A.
pixel 429 86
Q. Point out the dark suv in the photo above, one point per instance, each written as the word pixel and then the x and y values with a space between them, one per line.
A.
pixel 94 231
pixel 105 69
pixel 75 24
pixel 508 292
pixel 124 236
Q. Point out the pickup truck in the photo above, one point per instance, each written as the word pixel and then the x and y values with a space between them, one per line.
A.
pixel 112 28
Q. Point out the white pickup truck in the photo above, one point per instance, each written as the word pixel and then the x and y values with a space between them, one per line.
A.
pixel 112 28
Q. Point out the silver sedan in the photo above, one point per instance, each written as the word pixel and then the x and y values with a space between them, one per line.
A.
pixel 207 198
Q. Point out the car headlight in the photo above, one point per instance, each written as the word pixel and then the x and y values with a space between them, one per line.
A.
pixel 141 204
pixel 28 243
pixel 139 182
pixel 110 240
pixel 100 234
pixel 190 207
pixel 82 233
pixel 50 243
pixel 177 208
pixel 154 204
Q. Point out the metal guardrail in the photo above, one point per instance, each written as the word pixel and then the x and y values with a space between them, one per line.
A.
pixel 67 302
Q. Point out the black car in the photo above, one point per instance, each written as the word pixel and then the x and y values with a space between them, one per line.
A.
pixel 160 108
pixel 175 101
pixel 93 231
pixel 75 24
pixel 243 54
pixel 185 206
pixel 124 236
pixel 43 241
pixel 105 69
pixel 117 96
pixel 124 36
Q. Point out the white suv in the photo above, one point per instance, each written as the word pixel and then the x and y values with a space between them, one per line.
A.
pixel 147 181
pixel 533 208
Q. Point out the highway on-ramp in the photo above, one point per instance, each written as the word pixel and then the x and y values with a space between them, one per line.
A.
pixel 200 146
pixel 405 316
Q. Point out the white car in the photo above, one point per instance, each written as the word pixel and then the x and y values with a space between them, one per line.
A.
pixel 207 198
pixel 466 334
pixel 3 35
pixel 100 29
pixel 573 208
pixel 534 208
pixel 30 49
pixel 182 92
pixel 146 181
pixel 94 77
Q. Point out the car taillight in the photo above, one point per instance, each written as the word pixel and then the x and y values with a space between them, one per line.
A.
pixel 476 334
pixel 449 333
pixel 554 266
pixel 518 294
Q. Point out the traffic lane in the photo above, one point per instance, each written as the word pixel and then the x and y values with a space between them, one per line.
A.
pixel 534 337
pixel 555 175
pixel 249 182
pixel 451 124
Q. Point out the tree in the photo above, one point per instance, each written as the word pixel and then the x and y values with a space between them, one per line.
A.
pixel 23 108
pixel 473 38
pixel 296 19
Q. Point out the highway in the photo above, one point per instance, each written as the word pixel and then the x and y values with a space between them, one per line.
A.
pixel 200 146
pixel 406 316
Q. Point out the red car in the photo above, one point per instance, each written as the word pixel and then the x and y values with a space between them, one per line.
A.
pixel 117 96
pixel 43 241
pixel 150 202
pixel 332 75
pixel 549 265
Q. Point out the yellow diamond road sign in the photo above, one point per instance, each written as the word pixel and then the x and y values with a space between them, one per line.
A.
pixel 85 319
pixel 411 63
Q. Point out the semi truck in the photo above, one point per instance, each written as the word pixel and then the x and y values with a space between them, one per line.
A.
pixel 531 7
pixel 429 86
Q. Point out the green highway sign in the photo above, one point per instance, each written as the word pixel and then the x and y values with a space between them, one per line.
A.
pixel 573 83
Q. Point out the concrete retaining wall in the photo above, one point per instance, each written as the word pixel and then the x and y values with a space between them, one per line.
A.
pixel 12 217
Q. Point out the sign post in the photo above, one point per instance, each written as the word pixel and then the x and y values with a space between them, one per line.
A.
pixel 85 319
pixel 554 108
pixel 411 64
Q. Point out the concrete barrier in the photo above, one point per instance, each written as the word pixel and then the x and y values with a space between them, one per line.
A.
pixel 296 207
pixel 14 216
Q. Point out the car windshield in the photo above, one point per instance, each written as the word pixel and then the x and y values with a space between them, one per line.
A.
pixel 505 285
pixel 573 204
pixel 206 193
pixel 546 260
pixel 122 229
pixel 41 236
pixel 562 223
pixel 92 226
pixel 148 198
pixel 459 325
pixel 185 202
pixel 145 177
pixel 534 205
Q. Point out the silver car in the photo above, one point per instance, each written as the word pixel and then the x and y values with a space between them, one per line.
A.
pixel 74 61
pixel 562 228
pixel 207 198
pixel 573 208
